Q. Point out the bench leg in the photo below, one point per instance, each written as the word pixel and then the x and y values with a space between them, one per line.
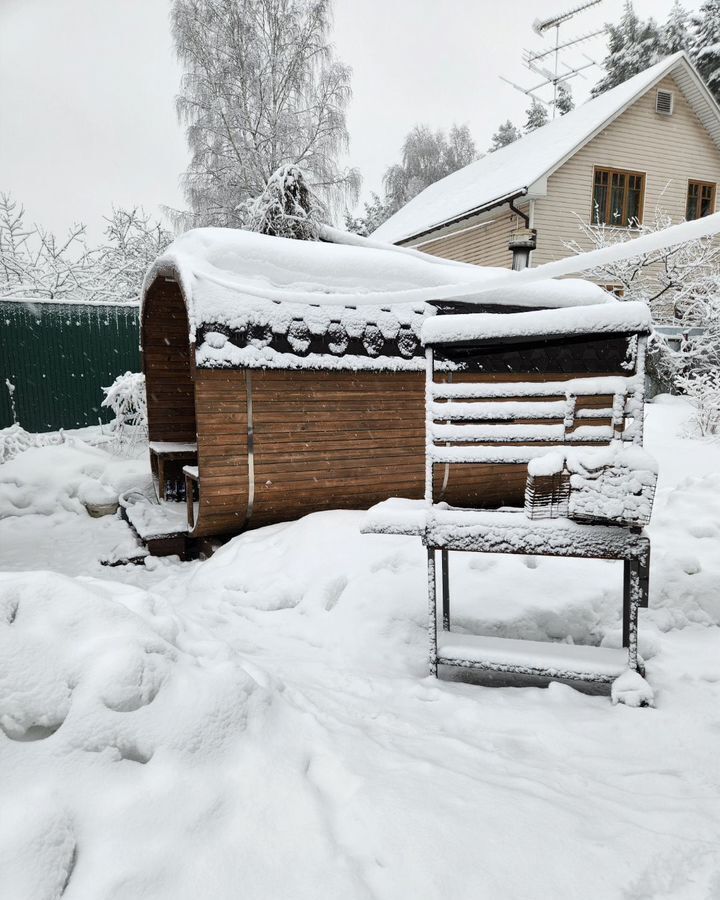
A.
pixel 445 577
pixel 634 593
pixel 432 611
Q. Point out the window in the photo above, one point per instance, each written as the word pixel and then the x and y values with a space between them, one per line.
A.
pixel 700 199
pixel 617 198
pixel 617 289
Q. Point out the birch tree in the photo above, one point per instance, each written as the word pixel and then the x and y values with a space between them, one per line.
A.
pixel 262 89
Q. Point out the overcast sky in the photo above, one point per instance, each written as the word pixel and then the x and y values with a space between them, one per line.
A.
pixel 87 89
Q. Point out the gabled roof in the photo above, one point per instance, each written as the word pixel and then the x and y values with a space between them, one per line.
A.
pixel 522 167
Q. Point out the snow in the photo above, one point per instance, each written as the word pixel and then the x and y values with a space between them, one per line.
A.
pixel 262 723
pixel 559 658
pixel 618 317
pixel 521 166
pixel 229 276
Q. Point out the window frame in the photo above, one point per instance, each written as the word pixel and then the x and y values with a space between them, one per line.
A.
pixel 701 184
pixel 611 170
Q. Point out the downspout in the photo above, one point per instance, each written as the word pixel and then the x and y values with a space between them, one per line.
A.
pixel 522 241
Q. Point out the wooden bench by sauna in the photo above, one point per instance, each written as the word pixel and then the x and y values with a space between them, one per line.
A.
pixel 502 391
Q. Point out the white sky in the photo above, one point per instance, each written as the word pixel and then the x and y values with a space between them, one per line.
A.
pixel 87 89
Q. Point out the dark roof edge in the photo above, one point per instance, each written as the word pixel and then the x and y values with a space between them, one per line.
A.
pixel 493 204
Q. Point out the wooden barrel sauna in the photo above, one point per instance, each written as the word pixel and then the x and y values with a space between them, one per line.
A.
pixel 262 410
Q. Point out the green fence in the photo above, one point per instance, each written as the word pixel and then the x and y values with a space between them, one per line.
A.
pixel 58 357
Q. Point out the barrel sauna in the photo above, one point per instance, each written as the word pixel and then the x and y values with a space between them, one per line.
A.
pixel 274 389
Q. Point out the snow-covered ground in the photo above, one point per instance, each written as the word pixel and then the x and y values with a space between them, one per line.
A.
pixel 261 725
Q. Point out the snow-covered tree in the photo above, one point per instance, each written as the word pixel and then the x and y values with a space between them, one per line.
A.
pixel 127 399
pixel 506 134
pixel 705 46
pixel 681 285
pixel 34 263
pixel 676 282
pixel 633 46
pixel 460 150
pixel 564 102
pixel 536 116
pixel 427 156
pixel 376 212
pixel 702 388
pixel 287 207
pixel 675 34
pixel 133 242
pixel 262 89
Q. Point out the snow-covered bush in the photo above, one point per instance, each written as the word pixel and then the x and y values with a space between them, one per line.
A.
pixel 703 390
pixel 127 399
pixel 14 440
pixel 287 207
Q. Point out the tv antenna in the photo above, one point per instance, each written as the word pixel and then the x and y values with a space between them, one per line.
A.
pixel 537 61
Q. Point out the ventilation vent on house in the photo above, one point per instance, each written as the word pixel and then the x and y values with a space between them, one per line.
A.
pixel 664 103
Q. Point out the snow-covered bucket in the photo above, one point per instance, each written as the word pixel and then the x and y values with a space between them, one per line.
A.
pixel 98 499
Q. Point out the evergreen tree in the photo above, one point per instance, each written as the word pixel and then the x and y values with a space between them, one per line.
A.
pixel 564 102
pixel 506 134
pixel 536 116
pixel 705 48
pixel 287 207
pixel 633 46
pixel 675 34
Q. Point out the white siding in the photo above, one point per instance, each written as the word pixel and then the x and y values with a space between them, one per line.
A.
pixel 670 150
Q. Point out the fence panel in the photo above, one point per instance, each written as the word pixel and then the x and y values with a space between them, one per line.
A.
pixel 59 356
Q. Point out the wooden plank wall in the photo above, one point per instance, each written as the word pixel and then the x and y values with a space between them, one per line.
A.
pixel 167 364
pixel 328 440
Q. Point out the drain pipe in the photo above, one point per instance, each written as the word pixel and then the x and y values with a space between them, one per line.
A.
pixel 522 241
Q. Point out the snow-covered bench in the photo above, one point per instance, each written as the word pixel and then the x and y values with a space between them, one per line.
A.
pixel 584 387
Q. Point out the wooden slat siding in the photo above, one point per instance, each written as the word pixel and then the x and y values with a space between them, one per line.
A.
pixel 490 485
pixel 221 403
pixel 670 149
pixel 328 440
pixel 483 246
pixel 167 365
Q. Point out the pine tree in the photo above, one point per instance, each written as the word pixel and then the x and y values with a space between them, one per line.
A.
pixel 506 134
pixel 675 35
pixel 705 47
pixel 287 207
pixel 633 46
pixel 536 116
pixel 564 102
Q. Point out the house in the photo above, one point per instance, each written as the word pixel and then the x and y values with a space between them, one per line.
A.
pixel 650 143
pixel 287 377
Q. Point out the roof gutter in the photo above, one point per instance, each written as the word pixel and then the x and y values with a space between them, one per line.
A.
pixel 493 204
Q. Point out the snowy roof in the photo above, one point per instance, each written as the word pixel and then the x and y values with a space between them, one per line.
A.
pixel 344 302
pixel 614 318
pixel 521 167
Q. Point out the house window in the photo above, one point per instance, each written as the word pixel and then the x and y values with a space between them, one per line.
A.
pixel 700 199
pixel 617 198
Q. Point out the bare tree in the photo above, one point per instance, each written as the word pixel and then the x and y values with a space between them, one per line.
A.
pixel 34 264
pixel 261 90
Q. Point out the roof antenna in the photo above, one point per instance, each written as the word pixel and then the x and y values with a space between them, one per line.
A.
pixel 533 60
